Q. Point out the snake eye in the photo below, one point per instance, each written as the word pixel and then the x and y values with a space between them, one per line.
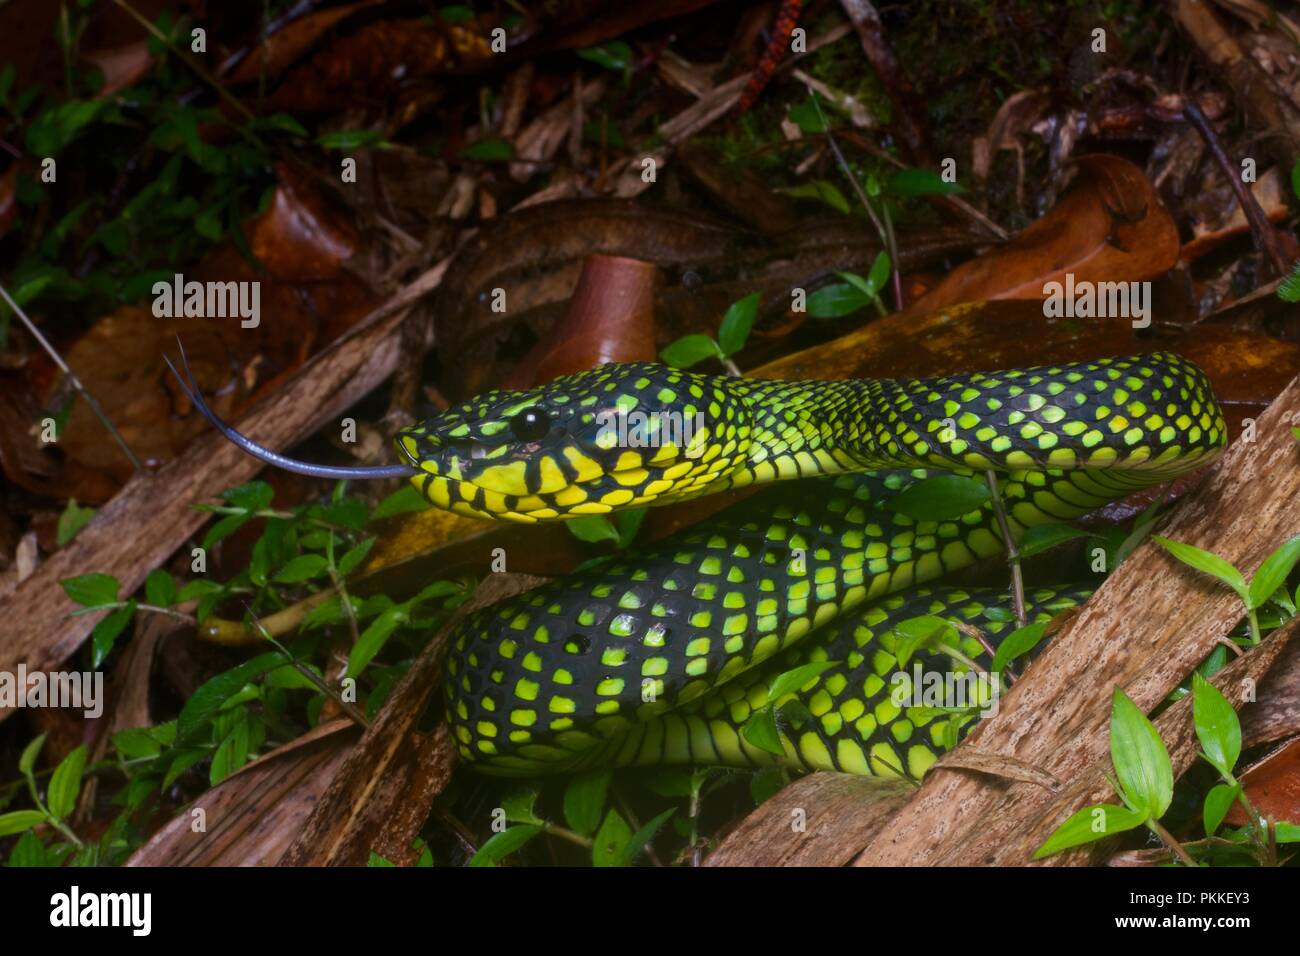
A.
pixel 531 424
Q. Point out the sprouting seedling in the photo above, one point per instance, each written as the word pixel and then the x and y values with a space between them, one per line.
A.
pixel 732 333
pixel 1271 576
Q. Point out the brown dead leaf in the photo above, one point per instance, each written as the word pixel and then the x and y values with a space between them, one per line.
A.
pixel 286 45
pixel 1273 786
pixel 1109 227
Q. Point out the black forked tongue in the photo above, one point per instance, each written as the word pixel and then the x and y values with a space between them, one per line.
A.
pixel 191 389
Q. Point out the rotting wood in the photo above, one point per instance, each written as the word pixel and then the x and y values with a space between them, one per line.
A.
pixel 1147 627
pixel 153 515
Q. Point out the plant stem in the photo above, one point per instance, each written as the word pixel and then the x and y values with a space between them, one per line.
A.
pixel 1168 839
pixel 566 834
pixel 1253 620
pixel 1013 552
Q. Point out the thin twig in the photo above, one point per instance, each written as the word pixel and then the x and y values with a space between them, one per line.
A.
pixel 1013 552
pixel 71 377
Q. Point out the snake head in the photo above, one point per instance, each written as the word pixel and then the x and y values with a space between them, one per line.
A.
pixel 618 436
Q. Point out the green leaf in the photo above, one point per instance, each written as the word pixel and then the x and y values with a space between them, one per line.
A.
pixel 612 840
pixel 224 529
pixel 302 568
pixel 584 799
pixel 628 521
pixel 1288 290
pixel 1217 726
pixel 1081 827
pixel 27 762
pixel 199 587
pixel 107 631
pixel 920 182
pixel 881 267
pixel 518 805
pixel 915 633
pixel 1139 756
pixel 206 701
pixel 617 56
pixel 378 861
pixel 940 498
pixel 690 350
pixel 737 323
pixel 503 844
pixel 834 301
pixel 1217 803
pixel 352 560
pixel 592 528
pixel 72 520
pixel 1272 574
pixel 160 588
pixel 1019 642
pixel 791 680
pixel 92 590
pixel 19 820
pixel 1043 537
pixel 822 191
pixel 65 784
pixel 1209 563
pixel 404 499
pixel 135 743
pixel 1287 832
pixel 489 150
pixel 761 731
pixel 232 753
pixel 374 637
pixel 253 496
pixel 643 836
pixel 807 117
pixel 351 139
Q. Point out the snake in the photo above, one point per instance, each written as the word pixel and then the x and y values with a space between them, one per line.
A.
pixel 661 653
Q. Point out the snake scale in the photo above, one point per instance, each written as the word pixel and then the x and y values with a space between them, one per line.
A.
pixel 661 653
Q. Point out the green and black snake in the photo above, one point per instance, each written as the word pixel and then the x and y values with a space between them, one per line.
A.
pixel 662 653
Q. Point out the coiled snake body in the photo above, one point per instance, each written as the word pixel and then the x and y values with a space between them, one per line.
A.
pixel 662 653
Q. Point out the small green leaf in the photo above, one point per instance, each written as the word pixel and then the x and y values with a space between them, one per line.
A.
pixel 27 762
pixel 19 820
pixel 106 632
pixel 375 860
pixel 374 637
pixel 65 784
pixel 791 680
pixel 72 520
pixel 92 590
pixel 736 324
pixel 690 350
pixel 617 56
pixel 1288 290
pixel 1088 825
pixel 1139 756
pixel 760 730
pixel 1295 429
pixel 489 150
pixel 822 191
pixel 610 846
pixel 881 267
pixel 206 701
pixel 503 844
pixel 351 139
pixel 302 568
pixel 643 837
pixel 807 117
pixel 352 560
pixel 1019 642
pixel 592 528
pixel 584 799
pixel 921 182
pixel 253 496
pixel 916 633
pixel 1217 726
pixel 940 498
pixel 834 301
pixel 1043 537
pixel 1217 803
pixel 136 742
pixel 1272 574
pixel 160 588
pixel 1209 563
pixel 628 522
pixel 404 499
